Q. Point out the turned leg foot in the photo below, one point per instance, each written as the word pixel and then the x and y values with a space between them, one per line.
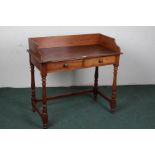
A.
pixel 113 106
pixel 45 121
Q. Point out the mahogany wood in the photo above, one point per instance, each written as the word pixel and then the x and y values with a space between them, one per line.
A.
pixel 56 54
pixel 96 83
pixel 33 96
pixel 62 53
pixel 66 95
pixel 62 41
pixel 100 61
pixel 113 101
pixel 44 101
pixel 63 66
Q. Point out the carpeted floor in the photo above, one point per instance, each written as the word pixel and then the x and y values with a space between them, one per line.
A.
pixel 135 109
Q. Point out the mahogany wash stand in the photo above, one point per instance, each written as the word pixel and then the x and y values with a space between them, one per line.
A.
pixel 64 53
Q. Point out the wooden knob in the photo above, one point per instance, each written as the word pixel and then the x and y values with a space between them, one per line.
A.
pixel 65 65
pixel 100 61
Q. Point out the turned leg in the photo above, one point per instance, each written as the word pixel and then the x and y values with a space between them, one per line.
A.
pixel 95 83
pixel 33 95
pixel 44 103
pixel 113 101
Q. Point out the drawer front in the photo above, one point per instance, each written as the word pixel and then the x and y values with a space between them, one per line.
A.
pixel 66 65
pixel 99 61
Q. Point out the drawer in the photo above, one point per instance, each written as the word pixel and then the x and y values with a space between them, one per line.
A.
pixel 65 65
pixel 99 61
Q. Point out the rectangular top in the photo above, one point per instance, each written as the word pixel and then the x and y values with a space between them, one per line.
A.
pixel 72 47
pixel 75 52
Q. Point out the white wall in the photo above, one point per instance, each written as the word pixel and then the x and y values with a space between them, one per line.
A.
pixel 137 65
